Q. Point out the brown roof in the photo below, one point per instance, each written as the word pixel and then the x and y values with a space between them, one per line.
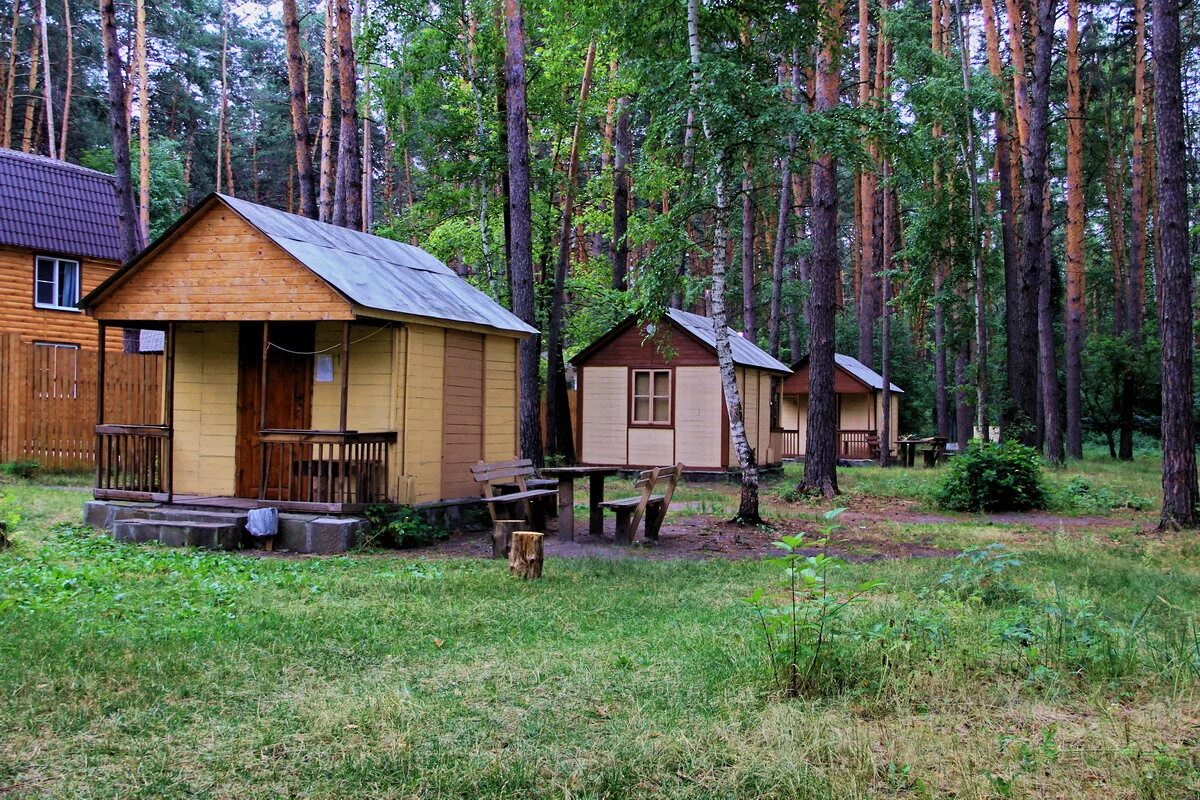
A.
pixel 57 207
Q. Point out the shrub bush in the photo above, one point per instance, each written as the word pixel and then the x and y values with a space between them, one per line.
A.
pixel 400 526
pixel 20 469
pixel 994 477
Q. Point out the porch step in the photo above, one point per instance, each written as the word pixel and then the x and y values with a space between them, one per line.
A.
pixel 182 533
pixel 182 515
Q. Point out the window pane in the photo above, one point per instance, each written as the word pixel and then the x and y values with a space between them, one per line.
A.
pixel 68 283
pixel 662 409
pixel 641 409
pixel 44 282
pixel 45 293
pixel 641 383
pixel 662 384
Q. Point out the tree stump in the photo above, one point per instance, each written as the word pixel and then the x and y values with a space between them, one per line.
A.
pixel 502 531
pixel 4 541
pixel 525 554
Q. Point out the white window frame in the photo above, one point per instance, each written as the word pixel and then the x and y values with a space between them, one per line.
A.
pixel 57 265
pixel 53 385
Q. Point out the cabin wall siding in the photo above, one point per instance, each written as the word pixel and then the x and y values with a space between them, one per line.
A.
pixel 651 446
pixel 422 425
pixel 605 415
pixel 370 402
pixel 698 402
pixel 221 268
pixel 463 412
pixel 19 315
pixel 500 398
pixel 204 445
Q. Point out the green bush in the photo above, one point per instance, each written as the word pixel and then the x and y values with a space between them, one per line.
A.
pixel 1080 495
pixel 20 469
pixel 400 526
pixel 994 477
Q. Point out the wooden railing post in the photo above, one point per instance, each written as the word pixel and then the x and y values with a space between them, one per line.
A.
pixel 100 349
pixel 168 457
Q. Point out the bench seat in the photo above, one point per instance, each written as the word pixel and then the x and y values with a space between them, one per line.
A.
pixel 530 483
pixel 519 496
pixel 631 502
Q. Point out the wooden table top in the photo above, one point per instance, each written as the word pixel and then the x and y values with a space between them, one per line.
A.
pixel 581 470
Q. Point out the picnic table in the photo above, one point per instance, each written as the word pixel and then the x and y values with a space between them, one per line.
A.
pixel 936 447
pixel 566 497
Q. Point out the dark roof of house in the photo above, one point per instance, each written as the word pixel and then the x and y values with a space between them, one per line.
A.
pixel 700 328
pixel 859 370
pixel 370 271
pixel 56 207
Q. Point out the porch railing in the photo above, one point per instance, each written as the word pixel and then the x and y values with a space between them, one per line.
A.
pixel 850 443
pixel 326 470
pixel 132 461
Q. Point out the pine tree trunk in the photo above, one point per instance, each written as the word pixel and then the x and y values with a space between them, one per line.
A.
pixel 781 227
pixel 885 356
pixel 143 88
pixel 559 441
pixel 298 88
pixel 622 152
pixel 35 49
pixel 119 128
pixel 47 99
pixel 1139 200
pixel 326 168
pixel 1052 436
pixel 1033 262
pixel 10 75
pixel 1175 311
pixel 1076 220
pixel 820 461
pixel 941 392
pixel 69 75
pixel 749 323
pixel 521 227
pixel 347 193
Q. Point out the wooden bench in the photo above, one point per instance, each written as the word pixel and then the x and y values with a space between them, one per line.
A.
pixel 630 510
pixel 517 471
pixel 936 454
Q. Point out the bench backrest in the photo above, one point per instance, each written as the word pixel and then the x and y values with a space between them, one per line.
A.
pixel 645 483
pixel 671 476
pixel 514 471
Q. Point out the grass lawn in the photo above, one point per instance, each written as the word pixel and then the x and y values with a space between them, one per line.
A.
pixel 136 671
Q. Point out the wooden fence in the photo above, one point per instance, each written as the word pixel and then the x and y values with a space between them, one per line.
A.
pixel 48 400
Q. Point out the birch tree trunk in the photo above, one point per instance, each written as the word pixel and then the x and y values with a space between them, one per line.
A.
pixel 1076 220
pixel 69 77
pixel 521 227
pixel 326 168
pixel 35 49
pixel 119 128
pixel 1175 311
pixel 298 89
pixel 820 462
pixel 47 99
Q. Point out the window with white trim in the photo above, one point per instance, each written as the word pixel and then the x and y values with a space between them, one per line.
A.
pixel 56 283
pixel 56 370
pixel 651 397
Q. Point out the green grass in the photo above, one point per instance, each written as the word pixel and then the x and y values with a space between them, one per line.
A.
pixel 141 672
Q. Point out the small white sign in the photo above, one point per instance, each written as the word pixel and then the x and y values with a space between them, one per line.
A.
pixel 325 369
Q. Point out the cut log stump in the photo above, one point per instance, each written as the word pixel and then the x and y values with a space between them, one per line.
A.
pixel 525 554
pixel 502 531
pixel 4 540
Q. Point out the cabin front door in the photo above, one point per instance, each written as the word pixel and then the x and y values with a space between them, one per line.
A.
pixel 287 401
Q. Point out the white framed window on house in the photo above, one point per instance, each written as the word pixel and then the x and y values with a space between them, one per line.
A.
pixel 56 283
pixel 651 400
pixel 56 370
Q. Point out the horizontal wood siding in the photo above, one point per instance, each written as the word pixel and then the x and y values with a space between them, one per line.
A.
pixel 204 447
pixel 843 382
pixel 651 446
pixel 19 315
pixel 500 399
pixel 698 416
pixel 422 428
pixel 370 403
pixel 605 414
pixel 220 268
pixel 463 418
pixel 632 349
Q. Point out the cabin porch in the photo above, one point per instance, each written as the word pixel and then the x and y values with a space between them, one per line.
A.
pixel 260 413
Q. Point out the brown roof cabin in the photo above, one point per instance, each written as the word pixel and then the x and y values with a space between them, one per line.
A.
pixel 859 408
pixel 652 395
pixel 309 368
pixel 58 241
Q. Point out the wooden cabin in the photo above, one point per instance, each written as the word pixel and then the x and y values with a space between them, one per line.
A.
pixel 651 395
pixel 859 408
pixel 58 241
pixel 308 367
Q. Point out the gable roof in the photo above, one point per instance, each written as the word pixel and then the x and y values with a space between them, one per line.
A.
pixel 57 207
pixel 700 328
pixel 856 368
pixel 370 271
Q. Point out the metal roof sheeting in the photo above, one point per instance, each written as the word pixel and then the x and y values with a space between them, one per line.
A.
pixel 745 352
pixel 862 372
pixel 379 273
pixel 56 207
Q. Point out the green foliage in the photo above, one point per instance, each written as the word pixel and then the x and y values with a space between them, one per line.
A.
pixel 982 574
pixel 21 468
pixel 400 526
pixel 1079 494
pixel 168 190
pixel 803 633
pixel 994 477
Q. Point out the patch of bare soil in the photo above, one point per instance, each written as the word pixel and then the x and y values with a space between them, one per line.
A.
pixel 693 537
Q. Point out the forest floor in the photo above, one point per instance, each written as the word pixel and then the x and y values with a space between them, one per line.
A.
pixel 142 672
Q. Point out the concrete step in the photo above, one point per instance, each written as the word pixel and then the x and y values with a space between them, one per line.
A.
pixel 208 535
pixel 181 514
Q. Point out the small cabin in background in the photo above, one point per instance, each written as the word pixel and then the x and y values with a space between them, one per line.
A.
pixel 308 367
pixel 651 395
pixel 859 408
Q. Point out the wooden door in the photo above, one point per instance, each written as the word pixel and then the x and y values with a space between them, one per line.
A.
pixel 288 397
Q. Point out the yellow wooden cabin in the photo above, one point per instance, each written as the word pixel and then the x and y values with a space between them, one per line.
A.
pixel 308 367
